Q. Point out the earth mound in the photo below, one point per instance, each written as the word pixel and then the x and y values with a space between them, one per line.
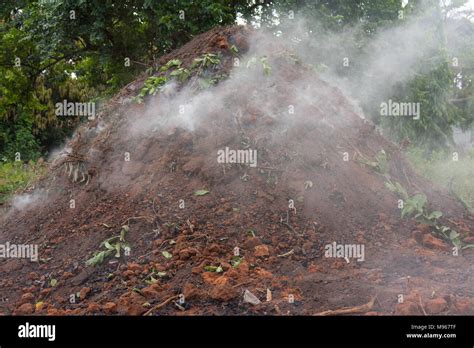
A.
pixel 225 192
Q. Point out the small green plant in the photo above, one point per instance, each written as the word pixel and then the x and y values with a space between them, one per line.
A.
pixel 398 189
pixel 416 206
pixel 380 164
pixel 112 245
pixel 236 261
pixel 433 216
pixel 266 67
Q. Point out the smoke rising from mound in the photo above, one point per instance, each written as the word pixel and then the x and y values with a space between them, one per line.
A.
pixel 27 201
pixel 392 56
pixel 144 159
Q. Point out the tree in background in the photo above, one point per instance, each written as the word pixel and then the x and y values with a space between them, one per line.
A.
pixel 79 50
pixel 443 89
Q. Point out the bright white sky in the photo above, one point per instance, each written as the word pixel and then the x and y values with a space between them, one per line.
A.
pixel 470 4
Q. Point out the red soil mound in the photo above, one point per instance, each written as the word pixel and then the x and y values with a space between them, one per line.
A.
pixel 183 243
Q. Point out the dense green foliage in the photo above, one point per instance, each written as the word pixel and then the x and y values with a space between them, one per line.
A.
pixel 82 50
pixel 443 78
pixel 17 175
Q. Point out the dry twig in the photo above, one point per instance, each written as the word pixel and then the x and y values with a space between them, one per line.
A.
pixel 350 310
pixel 162 304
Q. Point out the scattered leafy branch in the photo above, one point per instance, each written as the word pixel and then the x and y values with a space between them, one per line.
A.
pixel 112 245
pixel 414 205
pixel 201 192
pixel 264 61
pixel 234 50
pixel 199 67
pixel 153 85
pixel 206 61
pixel 167 254
pixel 181 74
pixel 266 67
pixel 398 189
pixel 150 279
pixel 217 269
pixel 173 63
pixel 380 164
pixel 236 261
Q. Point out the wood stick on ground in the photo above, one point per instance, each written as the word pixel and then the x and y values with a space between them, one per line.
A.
pixel 162 304
pixel 421 304
pixel 292 229
pixel 147 219
pixel 291 252
pixel 350 310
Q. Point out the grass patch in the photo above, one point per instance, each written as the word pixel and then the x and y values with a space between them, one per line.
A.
pixel 441 169
pixel 15 176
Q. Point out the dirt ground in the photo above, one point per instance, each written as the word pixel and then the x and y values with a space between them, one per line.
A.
pixel 190 250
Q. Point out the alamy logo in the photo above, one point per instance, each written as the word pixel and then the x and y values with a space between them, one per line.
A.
pixel 227 155
pixel 345 251
pixel 19 251
pixel 37 331
pixel 400 109
pixel 66 108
